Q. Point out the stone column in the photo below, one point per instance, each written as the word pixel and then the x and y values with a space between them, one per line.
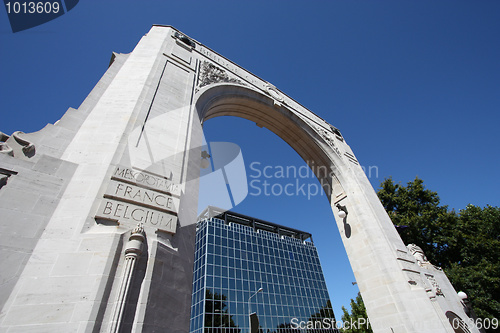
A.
pixel 132 251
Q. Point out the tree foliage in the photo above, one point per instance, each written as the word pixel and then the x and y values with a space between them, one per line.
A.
pixel 325 311
pixel 475 246
pixel 417 209
pixel 217 317
pixel 358 311
pixel 465 244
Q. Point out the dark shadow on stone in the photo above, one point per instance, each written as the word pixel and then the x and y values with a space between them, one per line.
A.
pixel 107 289
pixel 135 289
pixel 347 228
pixel 3 180
pixel 106 222
pixel 30 153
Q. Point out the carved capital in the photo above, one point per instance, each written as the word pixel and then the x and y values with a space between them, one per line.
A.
pixel 135 241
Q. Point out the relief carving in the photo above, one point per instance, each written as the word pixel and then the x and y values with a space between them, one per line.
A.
pixel 3 137
pixel 3 179
pixel 435 286
pixel 185 39
pixel 4 176
pixel 419 255
pixel 4 148
pixel 271 90
pixel 209 74
pixel 329 139
pixel 28 147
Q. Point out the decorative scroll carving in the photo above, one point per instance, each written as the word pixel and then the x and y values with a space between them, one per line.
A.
pixel 4 176
pixel 271 90
pixel 4 148
pixel 275 94
pixel 3 137
pixel 419 255
pixel 28 147
pixel 209 74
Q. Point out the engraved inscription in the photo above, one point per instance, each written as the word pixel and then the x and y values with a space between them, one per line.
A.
pixel 141 196
pixel 147 180
pixel 134 197
pixel 131 214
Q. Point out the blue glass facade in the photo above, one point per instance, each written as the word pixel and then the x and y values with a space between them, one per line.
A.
pixel 235 256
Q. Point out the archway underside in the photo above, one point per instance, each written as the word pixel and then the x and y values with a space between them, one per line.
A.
pixel 286 125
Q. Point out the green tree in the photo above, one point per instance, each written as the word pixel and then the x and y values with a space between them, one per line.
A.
pixel 417 209
pixel 475 243
pixel 465 245
pixel 324 312
pixel 326 317
pixel 357 315
pixel 217 318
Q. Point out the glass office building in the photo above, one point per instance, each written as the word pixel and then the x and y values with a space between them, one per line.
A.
pixel 235 256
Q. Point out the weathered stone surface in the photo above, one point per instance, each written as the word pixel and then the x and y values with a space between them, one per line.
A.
pixel 62 268
pixel 129 215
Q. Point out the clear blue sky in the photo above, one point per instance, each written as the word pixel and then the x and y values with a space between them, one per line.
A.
pixel 414 86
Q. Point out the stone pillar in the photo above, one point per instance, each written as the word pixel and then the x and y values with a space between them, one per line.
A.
pixel 132 253
pixel 131 153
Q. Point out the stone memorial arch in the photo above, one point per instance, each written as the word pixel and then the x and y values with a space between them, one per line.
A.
pixel 98 209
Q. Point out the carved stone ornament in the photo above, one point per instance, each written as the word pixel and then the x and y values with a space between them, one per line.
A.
pixel 4 176
pixel 419 255
pixel 3 179
pixel 329 139
pixel 185 39
pixel 271 90
pixel 3 137
pixel 209 74
pixel 133 250
pixel 134 245
pixel 435 286
pixel 28 147
pixel 4 148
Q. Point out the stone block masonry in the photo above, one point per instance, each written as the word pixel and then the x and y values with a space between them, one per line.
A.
pixel 72 194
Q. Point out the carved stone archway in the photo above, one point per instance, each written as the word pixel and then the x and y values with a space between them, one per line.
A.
pixel 139 131
pixel 372 244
